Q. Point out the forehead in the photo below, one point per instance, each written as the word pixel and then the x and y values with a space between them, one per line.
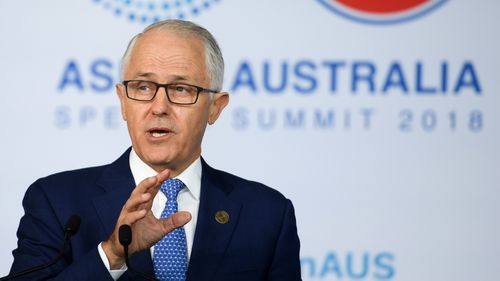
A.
pixel 165 53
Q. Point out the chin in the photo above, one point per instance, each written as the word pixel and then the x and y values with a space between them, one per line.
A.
pixel 159 160
pixel 155 157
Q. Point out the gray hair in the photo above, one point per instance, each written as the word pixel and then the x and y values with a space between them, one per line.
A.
pixel 213 55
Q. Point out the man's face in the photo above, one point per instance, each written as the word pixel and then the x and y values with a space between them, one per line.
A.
pixel 163 134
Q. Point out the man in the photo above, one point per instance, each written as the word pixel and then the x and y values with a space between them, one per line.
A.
pixel 227 228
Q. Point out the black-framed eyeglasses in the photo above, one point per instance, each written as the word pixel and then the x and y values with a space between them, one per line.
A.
pixel 177 93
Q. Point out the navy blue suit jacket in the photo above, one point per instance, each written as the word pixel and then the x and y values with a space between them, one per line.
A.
pixel 259 242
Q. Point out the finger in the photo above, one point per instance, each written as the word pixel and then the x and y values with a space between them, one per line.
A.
pixel 161 177
pixel 132 217
pixel 136 202
pixel 174 221
pixel 151 182
pixel 144 185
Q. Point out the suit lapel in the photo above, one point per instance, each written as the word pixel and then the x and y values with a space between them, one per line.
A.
pixel 117 182
pixel 212 237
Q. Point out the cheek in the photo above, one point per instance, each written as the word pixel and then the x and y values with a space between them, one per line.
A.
pixel 196 121
pixel 135 119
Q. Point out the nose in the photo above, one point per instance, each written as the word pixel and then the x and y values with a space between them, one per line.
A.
pixel 160 103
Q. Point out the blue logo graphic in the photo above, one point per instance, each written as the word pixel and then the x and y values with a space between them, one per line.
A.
pixel 351 265
pixel 149 11
pixel 382 11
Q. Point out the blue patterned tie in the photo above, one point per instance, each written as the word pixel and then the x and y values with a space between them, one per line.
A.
pixel 170 253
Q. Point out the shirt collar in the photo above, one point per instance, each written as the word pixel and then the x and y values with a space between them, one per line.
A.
pixel 191 176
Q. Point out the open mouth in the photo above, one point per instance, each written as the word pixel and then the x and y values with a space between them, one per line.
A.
pixel 159 132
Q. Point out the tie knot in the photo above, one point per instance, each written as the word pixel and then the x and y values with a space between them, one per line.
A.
pixel 171 188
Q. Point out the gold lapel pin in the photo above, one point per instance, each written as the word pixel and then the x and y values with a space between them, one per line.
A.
pixel 222 217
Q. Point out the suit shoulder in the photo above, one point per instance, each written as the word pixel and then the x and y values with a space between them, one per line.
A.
pixel 72 179
pixel 248 188
pixel 68 181
pixel 89 174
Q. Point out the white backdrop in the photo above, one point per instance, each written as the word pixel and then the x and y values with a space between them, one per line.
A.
pixel 383 135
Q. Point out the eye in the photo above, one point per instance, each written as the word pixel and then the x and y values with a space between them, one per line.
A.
pixel 144 87
pixel 181 89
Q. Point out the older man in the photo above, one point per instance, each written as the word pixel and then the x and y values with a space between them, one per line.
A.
pixel 189 221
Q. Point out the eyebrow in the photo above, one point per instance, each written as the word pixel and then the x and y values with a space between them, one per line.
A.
pixel 144 75
pixel 171 78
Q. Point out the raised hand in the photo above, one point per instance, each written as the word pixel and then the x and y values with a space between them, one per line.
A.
pixel 146 228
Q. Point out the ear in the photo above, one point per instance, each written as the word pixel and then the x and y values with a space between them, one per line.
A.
pixel 217 104
pixel 120 92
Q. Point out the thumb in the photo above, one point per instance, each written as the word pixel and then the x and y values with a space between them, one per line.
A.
pixel 174 221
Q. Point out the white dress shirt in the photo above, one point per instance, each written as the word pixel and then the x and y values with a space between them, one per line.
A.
pixel 188 199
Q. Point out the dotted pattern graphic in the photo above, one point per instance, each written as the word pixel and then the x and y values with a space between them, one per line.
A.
pixel 170 254
pixel 149 11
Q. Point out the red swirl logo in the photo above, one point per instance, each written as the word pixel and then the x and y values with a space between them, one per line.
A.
pixel 382 11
